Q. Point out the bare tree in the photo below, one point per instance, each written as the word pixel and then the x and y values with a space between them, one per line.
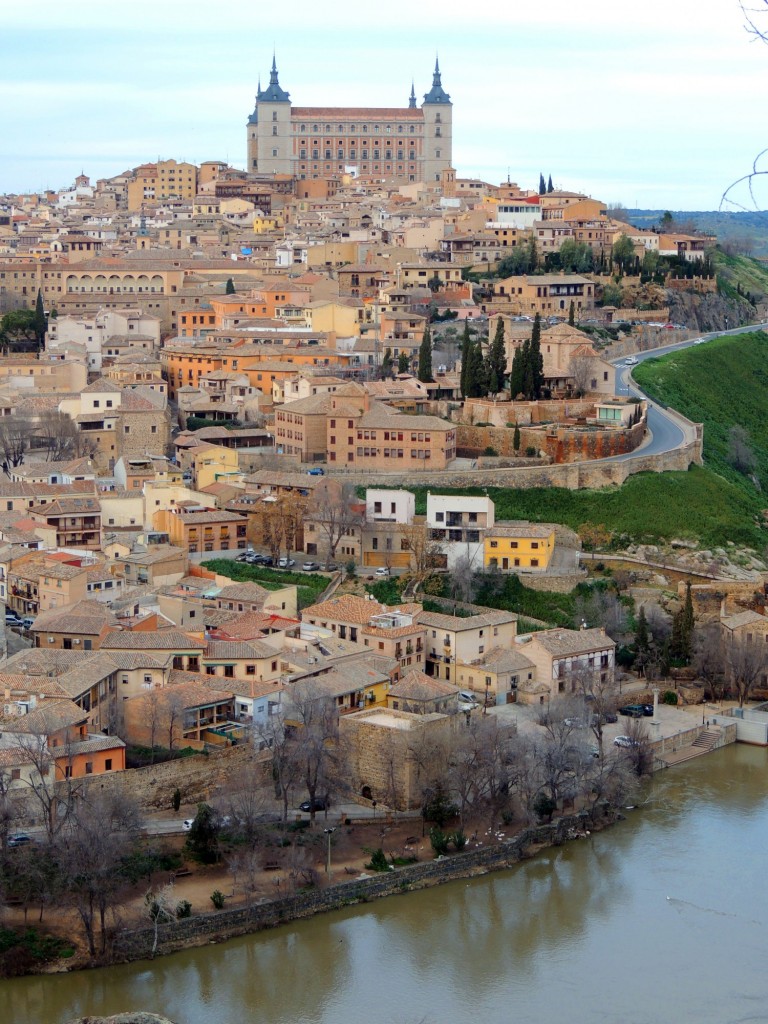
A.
pixel 709 661
pixel 58 434
pixel 293 510
pixel 15 434
pixel 580 371
pixel 282 744
pixel 247 801
pixel 312 716
pixel 463 580
pixel 89 854
pixel 425 552
pixel 336 512
pixel 53 796
pixel 272 522
pixel 160 907
pixel 746 666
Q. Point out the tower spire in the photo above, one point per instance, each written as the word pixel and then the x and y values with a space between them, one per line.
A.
pixel 437 94
pixel 412 97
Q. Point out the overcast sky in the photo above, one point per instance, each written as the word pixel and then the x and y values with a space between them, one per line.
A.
pixel 660 103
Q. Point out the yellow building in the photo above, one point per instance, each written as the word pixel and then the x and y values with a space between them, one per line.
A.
pixel 519 546
pixel 212 464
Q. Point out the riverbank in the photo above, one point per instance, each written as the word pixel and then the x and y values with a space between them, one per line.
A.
pixel 221 925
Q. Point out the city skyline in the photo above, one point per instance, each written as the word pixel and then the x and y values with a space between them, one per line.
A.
pixel 602 99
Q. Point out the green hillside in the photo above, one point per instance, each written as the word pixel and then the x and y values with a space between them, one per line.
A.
pixel 750 273
pixel 721 384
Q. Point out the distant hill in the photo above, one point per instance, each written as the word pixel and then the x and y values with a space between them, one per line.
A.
pixel 737 228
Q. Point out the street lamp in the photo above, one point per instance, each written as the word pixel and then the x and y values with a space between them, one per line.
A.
pixel 329 832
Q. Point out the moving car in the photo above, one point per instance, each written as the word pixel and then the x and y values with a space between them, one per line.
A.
pixel 19 839
pixel 631 361
pixel 320 803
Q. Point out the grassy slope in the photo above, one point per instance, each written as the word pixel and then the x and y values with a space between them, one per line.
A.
pixel 720 384
pixel 751 273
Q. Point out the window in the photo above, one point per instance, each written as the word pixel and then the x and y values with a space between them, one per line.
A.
pixel 89 767
pixel 108 764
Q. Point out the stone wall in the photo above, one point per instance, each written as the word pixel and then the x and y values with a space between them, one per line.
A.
pixel 225 924
pixel 707 598
pixel 554 584
pixel 525 414
pixel 197 777
pixel 561 443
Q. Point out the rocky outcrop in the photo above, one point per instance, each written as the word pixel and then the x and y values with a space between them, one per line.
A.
pixel 139 1017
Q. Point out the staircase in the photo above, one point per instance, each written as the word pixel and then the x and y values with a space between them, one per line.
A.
pixel 703 744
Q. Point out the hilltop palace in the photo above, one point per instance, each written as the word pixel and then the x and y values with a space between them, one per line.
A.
pixel 408 143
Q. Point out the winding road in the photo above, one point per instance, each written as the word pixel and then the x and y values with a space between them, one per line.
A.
pixel 663 428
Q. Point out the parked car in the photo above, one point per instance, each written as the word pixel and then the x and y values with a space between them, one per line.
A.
pixel 12 619
pixel 332 567
pixel 632 711
pixel 317 471
pixel 310 567
pixel 19 839
pixel 28 621
pixel 626 742
pixel 648 710
pixel 609 717
pixel 187 824
pixel 320 803
pixel 382 570
pixel 286 563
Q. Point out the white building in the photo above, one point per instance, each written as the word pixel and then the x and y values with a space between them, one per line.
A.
pixel 458 524
pixel 389 506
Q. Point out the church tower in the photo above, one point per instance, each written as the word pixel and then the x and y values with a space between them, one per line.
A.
pixel 269 130
pixel 438 130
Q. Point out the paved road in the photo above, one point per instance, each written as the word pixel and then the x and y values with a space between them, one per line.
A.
pixel 665 432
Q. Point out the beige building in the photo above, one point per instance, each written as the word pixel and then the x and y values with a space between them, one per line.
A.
pixel 382 748
pixel 566 661
pixel 453 641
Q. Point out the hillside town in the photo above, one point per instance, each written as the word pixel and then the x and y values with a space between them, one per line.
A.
pixel 249 419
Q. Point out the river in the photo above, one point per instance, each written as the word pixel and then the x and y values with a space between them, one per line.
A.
pixel 662 918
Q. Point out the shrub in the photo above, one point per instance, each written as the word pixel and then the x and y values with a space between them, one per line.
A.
pixel 530 452
pixel 439 841
pixel 217 899
pixel 378 861
pixel 544 806
pixel 183 909
pixel 176 799
pixel 669 697
pixel 459 839
pixel 490 450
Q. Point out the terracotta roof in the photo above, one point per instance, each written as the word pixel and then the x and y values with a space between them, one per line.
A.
pixel 151 640
pixel 251 592
pixel 417 685
pixel 458 624
pixel 567 642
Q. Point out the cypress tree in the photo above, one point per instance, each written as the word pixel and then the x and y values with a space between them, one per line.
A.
pixel 572 314
pixel 424 372
pixel 516 439
pixel 466 344
pixel 516 374
pixel 542 185
pixel 386 363
pixel 476 383
pixel 550 186
pixel 403 363
pixel 230 288
pixel 39 324
pixel 536 371
pixel 687 625
pixel 497 360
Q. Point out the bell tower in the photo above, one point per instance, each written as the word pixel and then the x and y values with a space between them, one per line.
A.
pixel 269 129
pixel 438 130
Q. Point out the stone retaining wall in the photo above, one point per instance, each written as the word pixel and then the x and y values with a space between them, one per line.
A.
pixel 226 924
pixel 571 475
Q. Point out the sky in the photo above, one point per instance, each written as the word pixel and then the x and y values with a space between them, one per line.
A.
pixel 659 104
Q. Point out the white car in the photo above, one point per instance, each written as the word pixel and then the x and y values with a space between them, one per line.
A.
pixel 625 742
pixel 187 824
pixel 632 361
pixel 382 571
